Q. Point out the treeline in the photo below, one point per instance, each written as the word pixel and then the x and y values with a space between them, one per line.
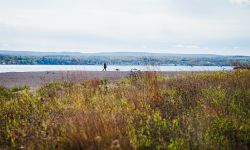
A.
pixel 124 60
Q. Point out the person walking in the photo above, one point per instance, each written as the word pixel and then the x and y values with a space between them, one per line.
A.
pixel 104 67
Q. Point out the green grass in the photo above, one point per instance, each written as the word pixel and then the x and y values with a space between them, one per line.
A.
pixel 143 111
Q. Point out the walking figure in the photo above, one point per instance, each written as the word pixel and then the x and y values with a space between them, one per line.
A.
pixel 104 67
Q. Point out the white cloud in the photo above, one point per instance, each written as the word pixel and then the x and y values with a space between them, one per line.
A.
pixel 179 46
pixel 193 46
pixel 189 46
pixel 118 25
pixel 240 2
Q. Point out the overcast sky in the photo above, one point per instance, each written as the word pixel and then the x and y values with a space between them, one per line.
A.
pixel 172 26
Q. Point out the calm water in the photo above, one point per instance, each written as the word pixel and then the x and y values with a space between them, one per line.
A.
pixel 35 68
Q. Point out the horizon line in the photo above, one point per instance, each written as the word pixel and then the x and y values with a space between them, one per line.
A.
pixel 98 52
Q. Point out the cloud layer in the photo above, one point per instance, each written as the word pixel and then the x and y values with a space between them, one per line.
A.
pixel 240 2
pixel 194 26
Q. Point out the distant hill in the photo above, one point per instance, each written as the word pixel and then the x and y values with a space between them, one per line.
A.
pixel 32 53
pixel 135 54
pixel 145 54
pixel 118 58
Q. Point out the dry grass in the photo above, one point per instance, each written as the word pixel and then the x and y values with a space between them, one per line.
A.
pixel 143 111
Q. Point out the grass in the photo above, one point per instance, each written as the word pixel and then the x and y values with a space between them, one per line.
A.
pixel 143 111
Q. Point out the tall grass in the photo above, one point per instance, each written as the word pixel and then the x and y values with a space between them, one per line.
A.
pixel 144 111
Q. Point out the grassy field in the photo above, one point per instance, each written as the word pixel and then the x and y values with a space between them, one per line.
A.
pixel 143 111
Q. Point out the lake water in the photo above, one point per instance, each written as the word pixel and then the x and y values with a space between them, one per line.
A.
pixel 35 68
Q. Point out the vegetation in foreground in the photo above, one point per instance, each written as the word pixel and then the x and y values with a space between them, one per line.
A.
pixel 144 111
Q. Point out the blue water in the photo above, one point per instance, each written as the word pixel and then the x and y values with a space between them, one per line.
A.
pixel 36 68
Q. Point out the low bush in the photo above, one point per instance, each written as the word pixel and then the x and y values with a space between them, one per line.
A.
pixel 144 111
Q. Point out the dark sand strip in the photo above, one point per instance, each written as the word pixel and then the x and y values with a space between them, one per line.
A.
pixel 36 79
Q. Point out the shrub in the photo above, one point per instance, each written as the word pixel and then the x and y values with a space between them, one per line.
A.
pixel 143 111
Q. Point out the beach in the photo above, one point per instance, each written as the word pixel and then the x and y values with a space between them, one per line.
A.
pixel 37 79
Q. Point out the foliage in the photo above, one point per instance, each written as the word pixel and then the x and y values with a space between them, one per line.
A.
pixel 144 111
pixel 125 60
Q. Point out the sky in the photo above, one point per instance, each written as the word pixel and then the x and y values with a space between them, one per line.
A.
pixel 165 26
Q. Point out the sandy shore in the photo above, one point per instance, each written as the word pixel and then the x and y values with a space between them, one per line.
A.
pixel 36 79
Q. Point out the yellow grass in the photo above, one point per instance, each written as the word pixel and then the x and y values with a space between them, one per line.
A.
pixel 144 111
